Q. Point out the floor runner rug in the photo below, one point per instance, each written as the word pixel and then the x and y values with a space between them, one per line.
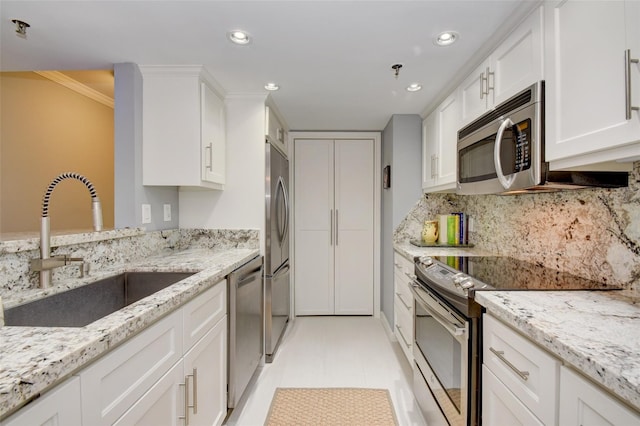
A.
pixel 331 406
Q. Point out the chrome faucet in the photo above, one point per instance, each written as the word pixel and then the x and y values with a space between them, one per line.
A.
pixel 46 263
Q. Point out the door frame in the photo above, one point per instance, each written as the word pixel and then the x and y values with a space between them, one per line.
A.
pixel 377 202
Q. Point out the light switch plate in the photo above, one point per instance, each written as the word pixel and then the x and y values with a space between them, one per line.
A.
pixel 167 212
pixel 146 213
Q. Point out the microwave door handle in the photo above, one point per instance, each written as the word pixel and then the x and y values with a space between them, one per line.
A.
pixel 505 181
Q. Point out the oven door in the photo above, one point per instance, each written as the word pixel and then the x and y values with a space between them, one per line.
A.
pixel 441 353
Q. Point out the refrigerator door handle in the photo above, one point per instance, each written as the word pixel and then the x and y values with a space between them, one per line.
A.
pixel 286 210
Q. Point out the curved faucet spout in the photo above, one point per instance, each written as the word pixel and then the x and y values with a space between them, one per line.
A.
pixel 45 226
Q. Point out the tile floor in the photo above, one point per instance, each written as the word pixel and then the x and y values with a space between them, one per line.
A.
pixel 332 352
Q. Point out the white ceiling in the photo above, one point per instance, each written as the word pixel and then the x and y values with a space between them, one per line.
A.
pixel 332 59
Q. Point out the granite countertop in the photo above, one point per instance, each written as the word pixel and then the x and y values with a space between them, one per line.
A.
pixel 595 332
pixel 33 359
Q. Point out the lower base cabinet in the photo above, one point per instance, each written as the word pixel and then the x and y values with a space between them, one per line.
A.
pixel 172 373
pixel 60 406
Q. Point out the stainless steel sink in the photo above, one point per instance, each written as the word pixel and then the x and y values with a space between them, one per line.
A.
pixel 84 305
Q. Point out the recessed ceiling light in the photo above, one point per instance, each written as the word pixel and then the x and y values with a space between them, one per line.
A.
pixel 447 38
pixel 239 37
pixel 414 87
pixel 271 87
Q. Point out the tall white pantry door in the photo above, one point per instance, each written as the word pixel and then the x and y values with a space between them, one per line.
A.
pixel 334 203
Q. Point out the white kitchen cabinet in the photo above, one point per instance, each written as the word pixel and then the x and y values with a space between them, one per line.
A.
pixel 500 406
pixel 275 131
pixel 59 406
pixel 439 146
pixel 583 403
pixel 149 377
pixel 403 305
pixel 183 128
pixel 514 65
pixel 528 372
pixel 586 121
pixel 334 235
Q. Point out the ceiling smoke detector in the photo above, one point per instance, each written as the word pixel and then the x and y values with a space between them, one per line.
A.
pixel 21 28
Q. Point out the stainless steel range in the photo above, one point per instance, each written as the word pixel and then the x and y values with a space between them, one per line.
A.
pixel 448 321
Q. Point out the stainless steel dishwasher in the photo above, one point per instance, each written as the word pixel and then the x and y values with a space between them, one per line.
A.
pixel 245 327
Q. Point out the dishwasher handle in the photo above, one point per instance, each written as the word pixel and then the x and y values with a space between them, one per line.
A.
pixel 254 275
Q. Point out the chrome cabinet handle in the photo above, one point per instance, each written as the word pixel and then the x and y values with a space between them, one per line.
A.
pixel 627 83
pixel 331 227
pixel 489 85
pixel 186 401
pixel 403 302
pixel 410 276
pixel 210 148
pixel 482 80
pixel 524 375
pixel 337 230
pixel 195 390
pixel 402 335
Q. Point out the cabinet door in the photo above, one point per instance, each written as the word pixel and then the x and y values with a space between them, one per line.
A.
pixel 500 406
pixel 518 62
pixel 585 84
pixel 448 124
pixel 314 227
pixel 213 136
pixel 163 404
pixel 354 227
pixel 206 363
pixel 429 151
pixel 472 94
pixel 582 403
pixel 60 406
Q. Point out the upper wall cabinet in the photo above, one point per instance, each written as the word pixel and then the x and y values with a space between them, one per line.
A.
pixel 275 131
pixel 592 82
pixel 183 127
pixel 439 146
pixel 515 64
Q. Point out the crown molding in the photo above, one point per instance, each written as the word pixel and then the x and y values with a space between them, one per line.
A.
pixel 76 86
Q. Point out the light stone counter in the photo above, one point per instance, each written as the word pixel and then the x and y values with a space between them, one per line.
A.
pixel 33 359
pixel 598 333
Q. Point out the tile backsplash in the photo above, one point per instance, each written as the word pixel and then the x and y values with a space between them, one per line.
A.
pixel 594 233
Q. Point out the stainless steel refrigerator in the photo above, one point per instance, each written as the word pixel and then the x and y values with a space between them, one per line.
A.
pixel 276 309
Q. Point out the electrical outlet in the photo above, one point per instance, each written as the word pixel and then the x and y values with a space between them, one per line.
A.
pixel 146 213
pixel 167 212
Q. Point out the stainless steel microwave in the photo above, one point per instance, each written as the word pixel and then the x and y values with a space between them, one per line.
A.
pixel 503 152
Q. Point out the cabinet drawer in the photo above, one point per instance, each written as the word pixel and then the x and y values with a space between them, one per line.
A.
pixel 526 369
pixel 403 264
pixel 60 406
pixel 402 291
pixel 114 383
pixel 403 329
pixel 202 313
pixel 500 406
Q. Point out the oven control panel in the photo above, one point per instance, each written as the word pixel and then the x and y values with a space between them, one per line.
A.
pixel 446 277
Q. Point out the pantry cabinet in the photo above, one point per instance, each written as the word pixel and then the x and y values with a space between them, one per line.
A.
pixel 586 115
pixel 439 146
pixel 183 128
pixel 334 233
pixel 60 406
pixel 514 65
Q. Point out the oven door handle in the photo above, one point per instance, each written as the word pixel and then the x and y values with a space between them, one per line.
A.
pixel 453 329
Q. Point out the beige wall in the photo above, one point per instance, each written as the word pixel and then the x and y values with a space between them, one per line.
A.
pixel 47 129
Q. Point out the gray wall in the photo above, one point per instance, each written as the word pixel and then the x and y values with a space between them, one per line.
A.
pixel 402 150
pixel 129 192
